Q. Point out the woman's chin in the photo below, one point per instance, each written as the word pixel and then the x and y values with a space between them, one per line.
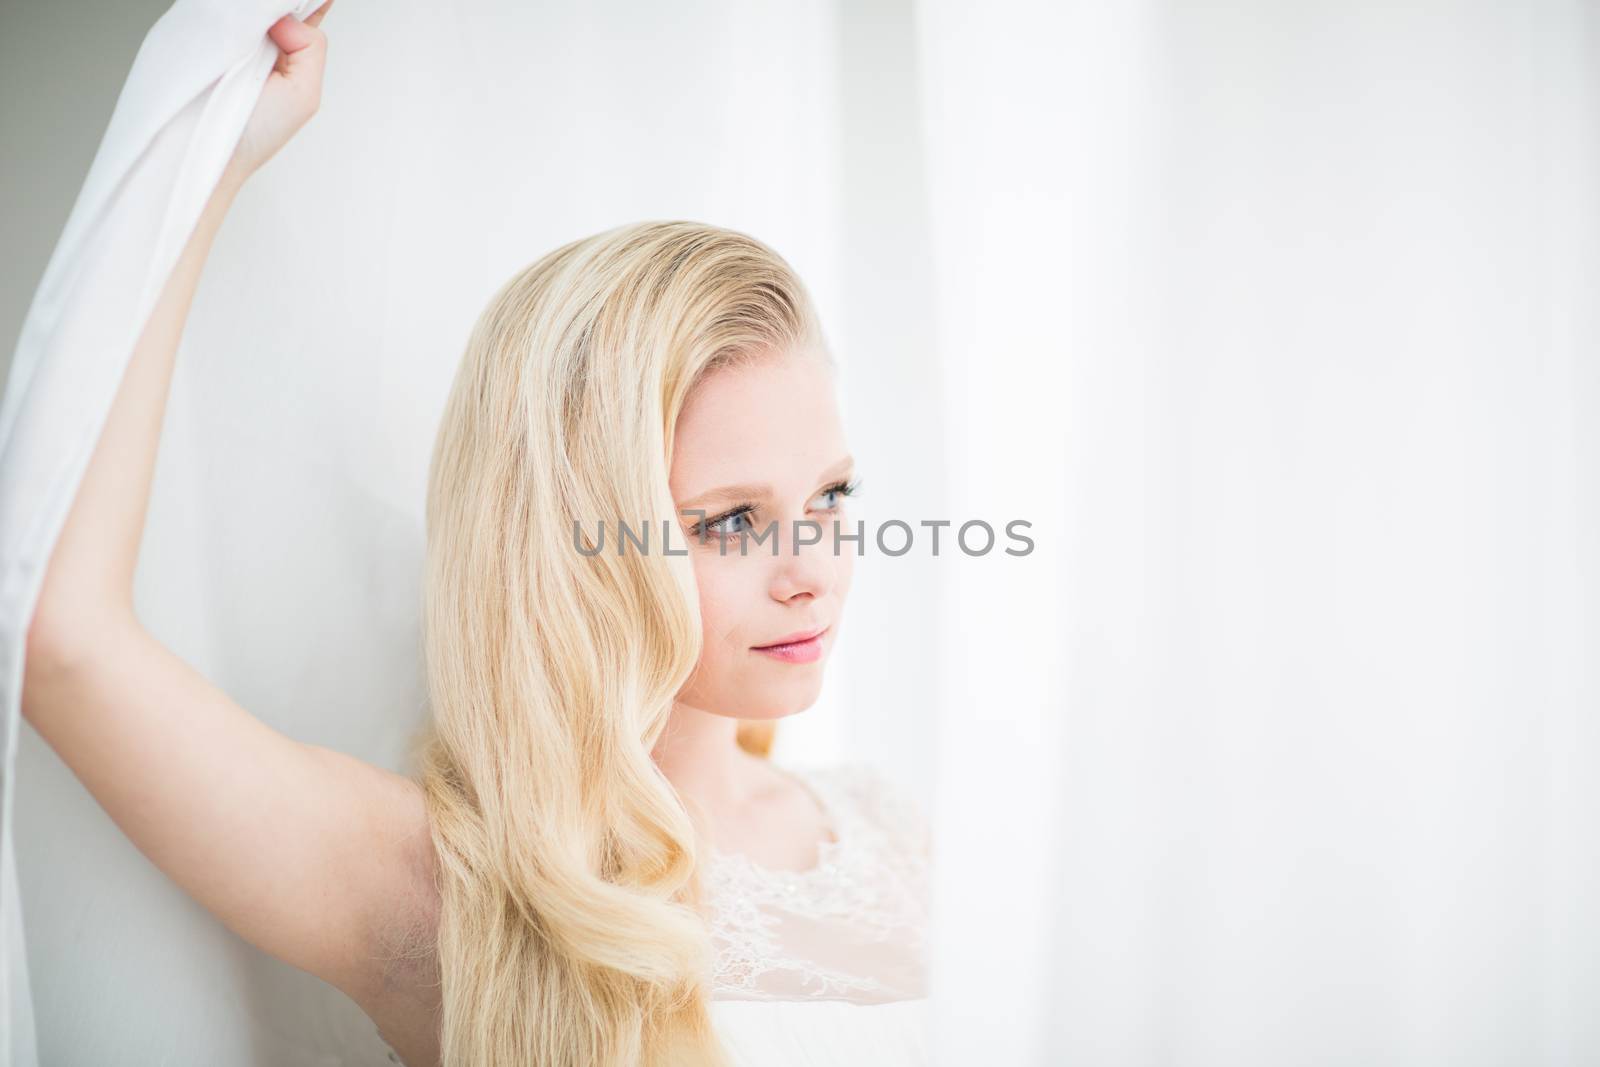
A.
pixel 781 701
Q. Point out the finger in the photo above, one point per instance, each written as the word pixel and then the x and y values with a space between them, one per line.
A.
pixel 302 48
pixel 289 34
pixel 315 18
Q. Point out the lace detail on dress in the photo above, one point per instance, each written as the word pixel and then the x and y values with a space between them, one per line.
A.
pixel 850 927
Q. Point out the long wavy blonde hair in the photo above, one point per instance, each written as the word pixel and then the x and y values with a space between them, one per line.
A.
pixel 570 929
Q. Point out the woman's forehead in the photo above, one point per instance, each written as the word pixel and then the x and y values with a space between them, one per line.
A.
pixel 756 422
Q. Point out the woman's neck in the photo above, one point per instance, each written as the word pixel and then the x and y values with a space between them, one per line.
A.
pixel 699 754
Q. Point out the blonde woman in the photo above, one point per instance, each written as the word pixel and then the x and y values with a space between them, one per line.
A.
pixel 596 861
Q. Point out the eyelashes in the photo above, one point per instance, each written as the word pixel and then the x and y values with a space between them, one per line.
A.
pixel 844 488
pixel 715 525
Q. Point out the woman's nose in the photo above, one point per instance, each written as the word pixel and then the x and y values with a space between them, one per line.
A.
pixel 805 562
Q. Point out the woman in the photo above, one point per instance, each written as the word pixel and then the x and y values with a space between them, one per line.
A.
pixel 595 864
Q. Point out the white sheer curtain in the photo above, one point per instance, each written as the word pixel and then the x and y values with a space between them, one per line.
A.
pixel 1278 320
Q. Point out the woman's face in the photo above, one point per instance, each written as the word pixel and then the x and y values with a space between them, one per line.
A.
pixel 761 446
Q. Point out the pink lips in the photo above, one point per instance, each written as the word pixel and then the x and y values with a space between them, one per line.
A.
pixel 802 647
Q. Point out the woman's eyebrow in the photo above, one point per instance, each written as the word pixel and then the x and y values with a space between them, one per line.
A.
pixel 728 492
pixel 840 467
pixel 744 492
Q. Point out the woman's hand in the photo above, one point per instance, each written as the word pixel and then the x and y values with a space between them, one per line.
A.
pixel 290 96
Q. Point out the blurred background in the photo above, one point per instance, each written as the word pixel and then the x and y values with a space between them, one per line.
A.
pixel 1277 322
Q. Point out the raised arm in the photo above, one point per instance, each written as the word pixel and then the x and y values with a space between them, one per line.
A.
pixel 313 856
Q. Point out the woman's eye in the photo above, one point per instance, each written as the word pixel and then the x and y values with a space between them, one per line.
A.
pixel 739 521
pixel 722 528
pixel 838 493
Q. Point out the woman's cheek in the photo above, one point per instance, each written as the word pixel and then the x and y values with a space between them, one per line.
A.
pixel 720 619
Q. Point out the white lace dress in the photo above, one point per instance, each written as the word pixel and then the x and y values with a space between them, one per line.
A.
pixel 826 965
